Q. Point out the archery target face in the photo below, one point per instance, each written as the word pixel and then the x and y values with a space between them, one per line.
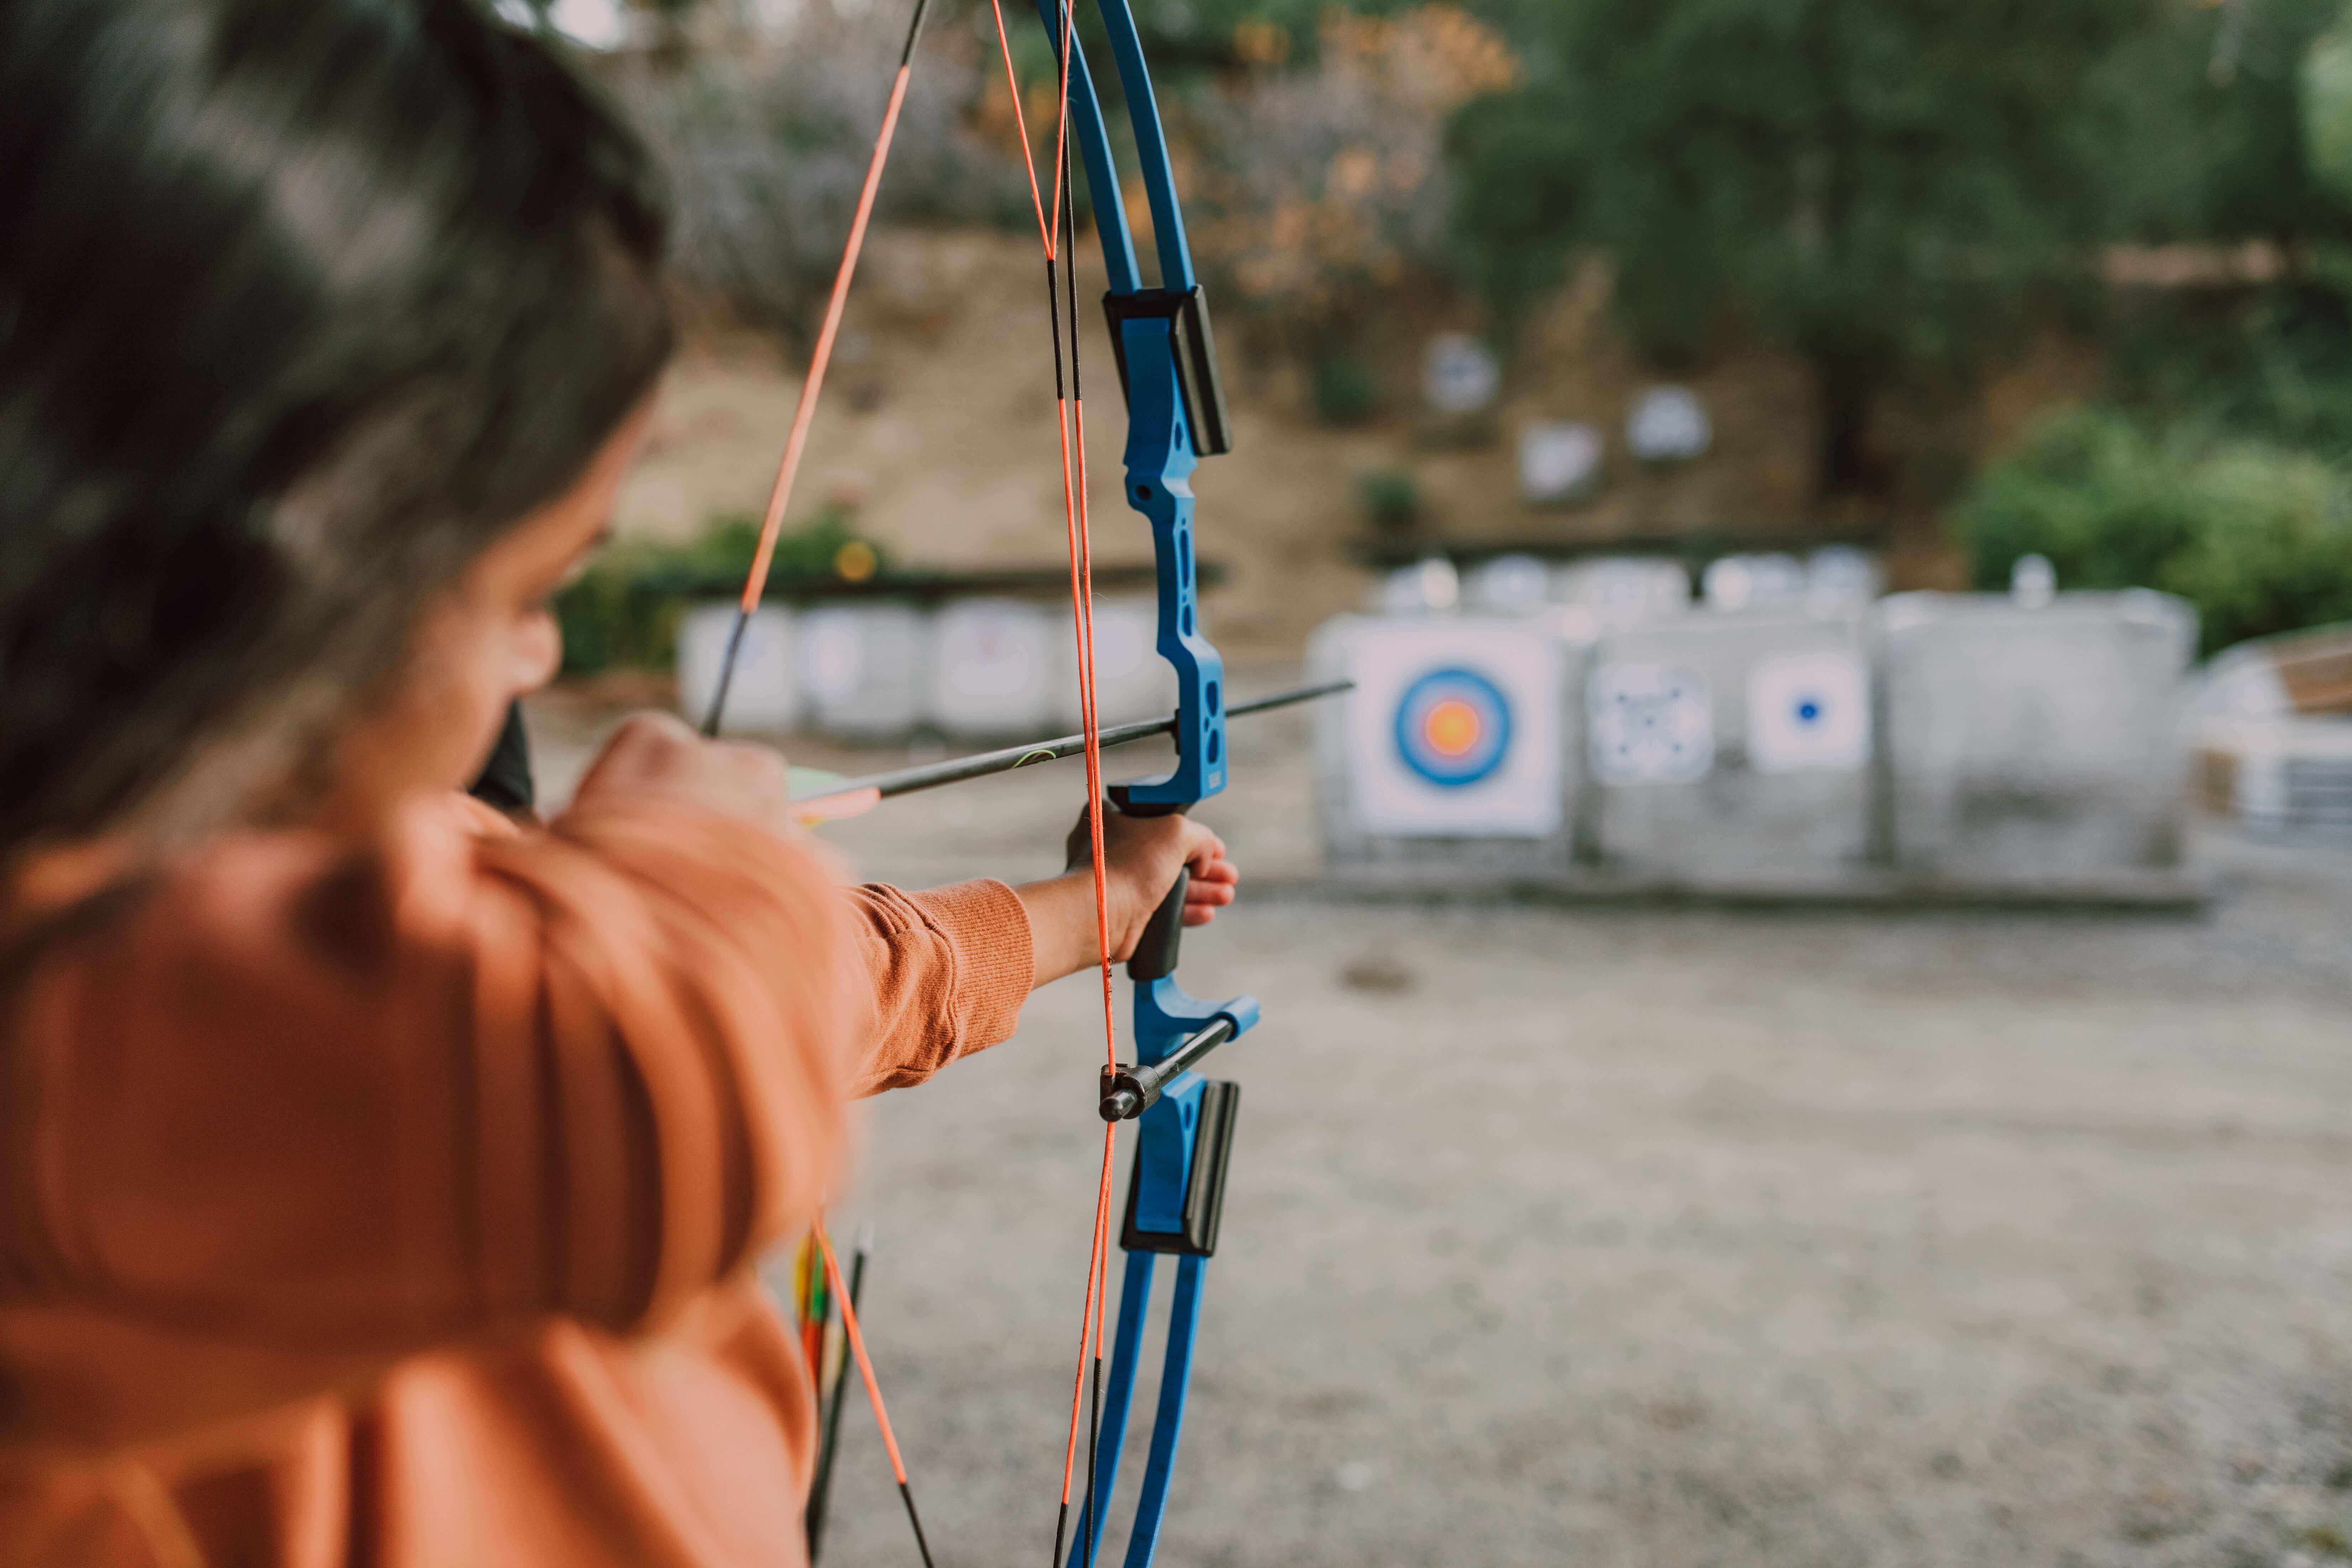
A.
pixel 1454 728
pixel 862 668
pixel 992 668
pixel 1809 712
pixel 1649 724
pixel 832 654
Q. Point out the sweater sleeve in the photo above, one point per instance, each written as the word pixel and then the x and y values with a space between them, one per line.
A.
pixel 947 972
pixel 374 1099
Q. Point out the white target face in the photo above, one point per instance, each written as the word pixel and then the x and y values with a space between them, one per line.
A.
pixel 1809 712
pixel 833 654
pixel 1454 728
pixel 992 667
pixel 1649 724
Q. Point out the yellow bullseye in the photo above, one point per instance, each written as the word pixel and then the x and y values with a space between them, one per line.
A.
pixel 1452 727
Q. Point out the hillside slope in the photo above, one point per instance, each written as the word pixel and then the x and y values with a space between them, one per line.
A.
pixel 938 424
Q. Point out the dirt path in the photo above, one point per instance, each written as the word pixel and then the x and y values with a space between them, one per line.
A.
pixel 1664 1238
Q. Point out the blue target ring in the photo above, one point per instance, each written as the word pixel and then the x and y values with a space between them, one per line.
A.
pixel 1454 727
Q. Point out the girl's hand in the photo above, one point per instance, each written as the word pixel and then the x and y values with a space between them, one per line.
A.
pixel 1141 856
pixel 655 755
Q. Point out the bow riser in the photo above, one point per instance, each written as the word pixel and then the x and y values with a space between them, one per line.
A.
pixel 1169 393
pixel 1159 464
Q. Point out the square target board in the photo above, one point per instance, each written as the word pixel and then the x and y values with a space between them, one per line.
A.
pixel 1453 730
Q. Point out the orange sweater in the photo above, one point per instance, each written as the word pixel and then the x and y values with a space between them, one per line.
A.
pixel 398 1207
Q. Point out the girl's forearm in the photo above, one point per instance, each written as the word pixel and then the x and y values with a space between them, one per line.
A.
pixel 1062 932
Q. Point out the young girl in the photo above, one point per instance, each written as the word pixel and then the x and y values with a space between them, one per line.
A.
pixel 380 1182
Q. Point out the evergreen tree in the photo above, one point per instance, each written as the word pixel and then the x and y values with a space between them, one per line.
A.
pixel 1880 186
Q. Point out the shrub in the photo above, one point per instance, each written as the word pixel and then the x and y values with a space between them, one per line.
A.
pixel 2259 539
pixel 2089 489
pixel 1391 500
pixel 2275 552
pixel 1345 391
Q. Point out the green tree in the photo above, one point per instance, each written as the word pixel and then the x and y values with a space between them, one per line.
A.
pixel 2238 119
pixel 1883 187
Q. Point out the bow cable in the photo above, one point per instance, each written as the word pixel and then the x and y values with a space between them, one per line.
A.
pixel 780 494
pixel 1085 615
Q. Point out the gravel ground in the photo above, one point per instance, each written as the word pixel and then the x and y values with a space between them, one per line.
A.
pixel 1660 1237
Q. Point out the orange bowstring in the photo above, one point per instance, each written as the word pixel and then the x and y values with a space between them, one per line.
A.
pixel 873 1389
pixel 857 1348
pixel 1090 1327
pixel 1070 424
pixel 755 588
pixel 780 493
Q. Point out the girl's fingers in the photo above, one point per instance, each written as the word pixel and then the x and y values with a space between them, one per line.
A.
pixel 1210 889
pixel 1200 910
pixel 1216 871
pixel 1202 890
pixel 1201 846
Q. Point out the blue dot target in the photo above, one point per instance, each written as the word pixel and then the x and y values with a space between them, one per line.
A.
pixel 1454 727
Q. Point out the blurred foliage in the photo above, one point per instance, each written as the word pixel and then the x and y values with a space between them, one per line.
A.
pixel 1181 35
pixel 2327 111
pixel 1345 390
pixel 1517 164
pixel 625 609
pixel 2326 87
pixel 1318 189
pixel 766 150
pixel 2273 364
pixel 1884 188
pixel 2239 126
pixel 1391 499
pixel 2259 538
pixel 2208 103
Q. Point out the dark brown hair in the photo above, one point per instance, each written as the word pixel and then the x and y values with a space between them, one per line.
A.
pixel 302 303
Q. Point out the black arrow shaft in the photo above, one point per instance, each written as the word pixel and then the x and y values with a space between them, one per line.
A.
pixel 907 780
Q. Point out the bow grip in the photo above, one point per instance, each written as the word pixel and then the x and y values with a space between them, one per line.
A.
pixel 1155 953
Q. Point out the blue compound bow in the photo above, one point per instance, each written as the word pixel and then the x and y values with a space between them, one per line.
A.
pixel 1176 415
